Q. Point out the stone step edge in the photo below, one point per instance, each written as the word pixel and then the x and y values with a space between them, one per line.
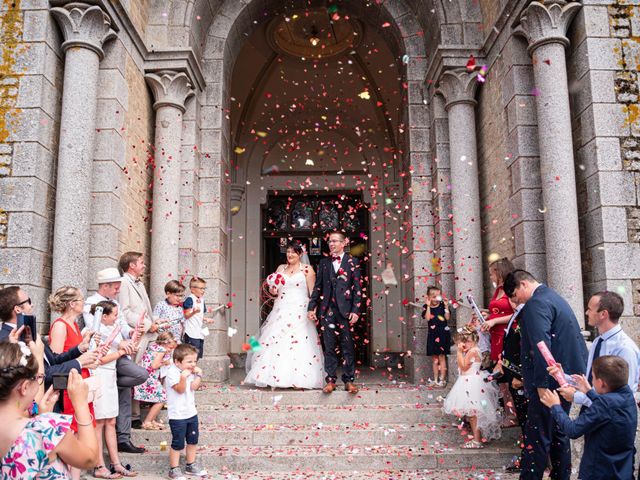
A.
pixel 315 406
pixel 330 427
pixel 321 450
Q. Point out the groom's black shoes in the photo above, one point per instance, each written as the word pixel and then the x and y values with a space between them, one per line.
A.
pixel 329 387
pixel 351 388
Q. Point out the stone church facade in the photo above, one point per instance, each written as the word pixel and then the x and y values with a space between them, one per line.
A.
pixel 470 129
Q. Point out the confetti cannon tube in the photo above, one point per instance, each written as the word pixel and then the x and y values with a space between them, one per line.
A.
pixel 139 324
pixel 105 348
pixel 546 354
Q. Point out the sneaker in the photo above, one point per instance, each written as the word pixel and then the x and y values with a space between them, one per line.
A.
pixel 176 474
pixel 432 383
pixel 441 383
pixel 194 469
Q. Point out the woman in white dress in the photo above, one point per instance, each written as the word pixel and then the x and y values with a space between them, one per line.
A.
pixel 290 354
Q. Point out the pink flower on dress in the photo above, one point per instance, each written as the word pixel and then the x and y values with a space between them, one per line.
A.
pixel 17 468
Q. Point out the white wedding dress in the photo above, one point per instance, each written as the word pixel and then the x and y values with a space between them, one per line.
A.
pixel 290 353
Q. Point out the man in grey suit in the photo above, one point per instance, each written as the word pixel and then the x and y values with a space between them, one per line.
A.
pixel 128 372
pixel 135 304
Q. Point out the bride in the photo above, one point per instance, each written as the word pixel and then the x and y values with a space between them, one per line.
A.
pixel 290 353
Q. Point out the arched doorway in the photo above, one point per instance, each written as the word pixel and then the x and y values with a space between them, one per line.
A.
pixel 316 111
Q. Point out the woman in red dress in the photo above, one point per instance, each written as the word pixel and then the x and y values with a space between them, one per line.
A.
pixel 500 310
pixel 64 334
pixel 496 319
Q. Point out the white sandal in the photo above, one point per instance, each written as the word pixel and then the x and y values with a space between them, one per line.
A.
pixel 473 444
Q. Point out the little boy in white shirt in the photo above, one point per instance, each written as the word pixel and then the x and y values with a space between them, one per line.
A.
pixel 194 309
pixel 182 380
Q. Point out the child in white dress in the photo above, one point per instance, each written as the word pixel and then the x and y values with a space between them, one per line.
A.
pixel 471 396
pixel 106 405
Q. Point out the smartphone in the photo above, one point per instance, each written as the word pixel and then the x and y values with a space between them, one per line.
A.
pixel 60 381
pixel 29 323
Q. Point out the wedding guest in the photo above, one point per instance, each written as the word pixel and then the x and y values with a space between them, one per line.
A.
pixel 603 312
pixel 437 314
pixel 169 311
pixel 106 405
pixel 157 356
pixel 64 334
pixel 194 310
pixel 129 374
pixel 546 317
pixel 44 446
pixel 134 304
pixel 13 301
pixel 608 425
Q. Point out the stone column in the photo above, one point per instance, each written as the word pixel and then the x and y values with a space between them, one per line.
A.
pixel 170 90
pixel 85 30
pixel 458 89
pixel 544 25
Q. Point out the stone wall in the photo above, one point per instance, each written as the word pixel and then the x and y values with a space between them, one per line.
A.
pixel 30 86
pixel 603 63
pixel 495 181
pixel 139 122
pixel 138 11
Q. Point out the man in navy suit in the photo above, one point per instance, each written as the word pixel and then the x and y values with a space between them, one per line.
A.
pixel 546 317
pixel 338 294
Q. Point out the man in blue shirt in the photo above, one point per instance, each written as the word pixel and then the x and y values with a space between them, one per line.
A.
pixel 603 312
pixel 608 425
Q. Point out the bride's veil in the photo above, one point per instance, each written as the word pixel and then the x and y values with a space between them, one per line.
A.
pixel 304 258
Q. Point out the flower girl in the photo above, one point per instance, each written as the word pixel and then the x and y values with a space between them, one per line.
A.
pixel 470 396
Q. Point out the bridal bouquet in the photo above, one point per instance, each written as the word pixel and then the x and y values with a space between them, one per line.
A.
pixel 275 280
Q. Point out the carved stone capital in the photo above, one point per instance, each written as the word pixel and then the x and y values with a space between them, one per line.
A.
pixel 547 22
pixel 458 86
pixel 170 89
pixel 84 26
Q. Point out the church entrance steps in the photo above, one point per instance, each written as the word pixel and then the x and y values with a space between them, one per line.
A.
pixel 324 434
pixel 284 433
pixel 422 474
pixel 368 395
pixel 327 458
pixel 324 414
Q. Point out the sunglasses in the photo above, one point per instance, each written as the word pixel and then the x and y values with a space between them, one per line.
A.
pixel 28 300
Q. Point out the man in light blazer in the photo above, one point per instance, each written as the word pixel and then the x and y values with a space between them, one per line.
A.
pixel 134 301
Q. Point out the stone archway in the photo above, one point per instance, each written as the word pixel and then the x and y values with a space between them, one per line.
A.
pixel 216 33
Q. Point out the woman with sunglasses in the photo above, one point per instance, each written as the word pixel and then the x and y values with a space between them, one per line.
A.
pixel 42 446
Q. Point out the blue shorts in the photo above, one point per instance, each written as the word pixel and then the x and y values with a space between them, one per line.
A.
pixel 196 342
pixel 184 429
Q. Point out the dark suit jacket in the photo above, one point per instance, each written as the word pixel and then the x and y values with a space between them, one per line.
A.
pixel 346 288
pixel 59 363
pixel 547 317
pixel 609 429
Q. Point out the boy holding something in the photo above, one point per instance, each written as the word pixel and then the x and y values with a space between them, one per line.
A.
pixel 182 380
pixel 608 425
pixel 194 310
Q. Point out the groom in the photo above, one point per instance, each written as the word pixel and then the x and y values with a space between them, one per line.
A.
pixel 339 293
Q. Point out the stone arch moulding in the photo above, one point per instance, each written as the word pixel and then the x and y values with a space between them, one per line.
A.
pixel 223 32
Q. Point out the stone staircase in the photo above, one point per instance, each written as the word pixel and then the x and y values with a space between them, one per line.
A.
pixel 385 431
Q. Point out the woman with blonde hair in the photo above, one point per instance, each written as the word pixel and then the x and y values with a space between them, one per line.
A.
pixel 64 334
